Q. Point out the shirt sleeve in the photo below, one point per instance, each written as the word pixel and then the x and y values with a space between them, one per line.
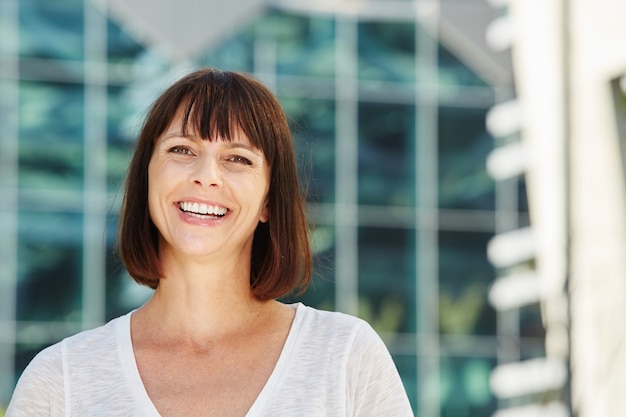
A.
pixel 40 391
pixel 374 384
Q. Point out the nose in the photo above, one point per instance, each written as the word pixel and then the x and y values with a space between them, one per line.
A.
pixel 206 172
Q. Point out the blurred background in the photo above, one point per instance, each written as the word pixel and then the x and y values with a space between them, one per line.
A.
pixel 430 132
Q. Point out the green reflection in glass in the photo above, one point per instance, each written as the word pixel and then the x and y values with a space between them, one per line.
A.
pixel 305 45
pixel 313 127
pixel 465 275
pixel 407 367
pixel 386 51
pixel 463 149
pixel 123 294
pixel 321 291
pixel 236 53
pixel 387 278
pixel 51 29
pixel 386 154
pixel 465 388
pixel 49 266
pixel 51 131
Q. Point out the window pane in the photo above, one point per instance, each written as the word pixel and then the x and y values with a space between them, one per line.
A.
pixel 321 291
pixel 49 266
pixel 313 128
pixel 387 278
pixel 407 367
pixel 123 294
pixel 522 196
pixel 465 387
pixel 386 154
pixel 532 332
pixel 386 51
pixel 305 45
pixel 51 29
pixel 463 149
pixel 465 275
pixel 51 136
pixel 452 71
pixel 121 47
pixel 234 54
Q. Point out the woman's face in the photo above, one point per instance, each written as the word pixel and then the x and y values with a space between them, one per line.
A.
pixel 207 197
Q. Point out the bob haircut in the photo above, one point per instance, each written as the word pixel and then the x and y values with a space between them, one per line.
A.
pixel 214 103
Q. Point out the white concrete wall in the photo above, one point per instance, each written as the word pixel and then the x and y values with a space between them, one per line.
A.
pixel 538 62
pixel 564 86
pixel 598 255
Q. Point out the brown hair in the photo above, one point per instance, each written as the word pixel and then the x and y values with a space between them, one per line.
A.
pixel 213 101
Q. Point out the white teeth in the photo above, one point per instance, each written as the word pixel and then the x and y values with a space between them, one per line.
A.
pixel 200 208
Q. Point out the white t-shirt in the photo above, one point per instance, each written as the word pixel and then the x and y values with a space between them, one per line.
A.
pixel 332 364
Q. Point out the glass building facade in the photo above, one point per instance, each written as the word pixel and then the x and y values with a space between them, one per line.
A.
pixel 390 132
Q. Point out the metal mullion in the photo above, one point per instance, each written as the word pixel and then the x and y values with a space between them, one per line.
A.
pixel 426 179
pixel 9 151
pixel 95 175
pixel 346 165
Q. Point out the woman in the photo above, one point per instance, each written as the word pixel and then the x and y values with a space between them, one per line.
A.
pixel 214 221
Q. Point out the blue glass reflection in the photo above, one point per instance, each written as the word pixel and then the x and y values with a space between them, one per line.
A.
pixel 465 275
pixel 387 278
pixel 463 149
pixel 51 126
pixel 49 266
pixel 386 154
pixel 51 29
pixel 386 51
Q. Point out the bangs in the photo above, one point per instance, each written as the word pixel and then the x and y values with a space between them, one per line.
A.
pixel 218 108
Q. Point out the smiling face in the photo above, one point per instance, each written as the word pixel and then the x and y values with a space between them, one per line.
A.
pixel 206 197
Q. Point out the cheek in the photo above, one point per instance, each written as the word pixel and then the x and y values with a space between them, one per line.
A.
pixel 153 180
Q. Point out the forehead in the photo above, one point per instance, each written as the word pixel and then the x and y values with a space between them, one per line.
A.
pixel 191 123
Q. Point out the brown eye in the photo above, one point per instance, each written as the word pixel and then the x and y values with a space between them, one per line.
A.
pixel 240 160
pixel 181 150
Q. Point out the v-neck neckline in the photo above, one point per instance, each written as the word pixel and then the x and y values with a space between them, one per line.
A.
pixel 129 364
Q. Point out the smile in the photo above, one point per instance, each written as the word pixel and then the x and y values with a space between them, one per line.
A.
pixel 201 210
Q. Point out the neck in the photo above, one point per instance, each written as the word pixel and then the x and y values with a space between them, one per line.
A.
pixel 202 302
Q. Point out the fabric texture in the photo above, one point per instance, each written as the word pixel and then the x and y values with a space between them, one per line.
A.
pixel 332 364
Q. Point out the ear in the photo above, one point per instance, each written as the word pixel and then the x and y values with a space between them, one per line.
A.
pixel 265 212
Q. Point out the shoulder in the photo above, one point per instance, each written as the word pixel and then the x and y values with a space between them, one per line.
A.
pixel 342 337
pixel 43 385
pixel 51 362
pixel 336 325
pixel 85 341
pixel 45 367
pixel 351 358
pixel 97 335
pixel 372 383
pixel 40 389
pixel 332 320
pixel 95 355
